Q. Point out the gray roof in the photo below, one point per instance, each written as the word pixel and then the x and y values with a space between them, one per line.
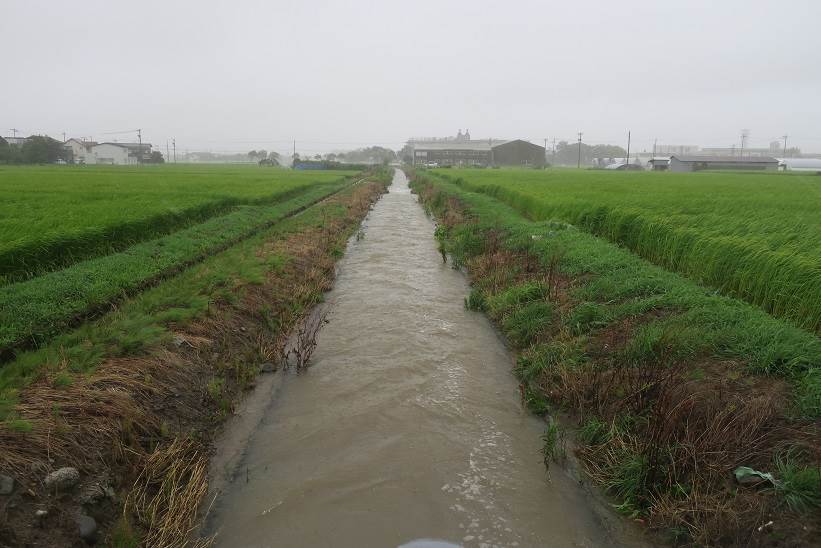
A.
pixel 474 144
pixel 726 159
pixel 134 147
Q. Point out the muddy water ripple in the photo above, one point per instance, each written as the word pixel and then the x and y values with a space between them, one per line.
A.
pixel 408 425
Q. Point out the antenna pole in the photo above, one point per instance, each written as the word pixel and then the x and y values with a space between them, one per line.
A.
pixel 628 148
pixel 579 161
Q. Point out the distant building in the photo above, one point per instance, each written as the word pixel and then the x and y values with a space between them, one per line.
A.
pixel 702 162
pixel 111 154
pixel 658 164
pixel 624 166
pixel 120 153
pixel 463 151
pixel 16 141
pixel 736 151
pixel 812 165
pixel 80 151
pixel 676 149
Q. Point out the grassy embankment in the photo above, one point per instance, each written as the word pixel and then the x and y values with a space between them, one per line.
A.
pixel 132 398
pixel 672 387
pixel 35 309
pixel 53 216
pixel 752 236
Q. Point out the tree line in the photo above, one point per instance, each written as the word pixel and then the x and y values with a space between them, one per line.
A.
pixel 37 149
pixel 567 154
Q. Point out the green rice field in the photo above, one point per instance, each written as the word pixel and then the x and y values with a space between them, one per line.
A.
pixel 52 216
pixel 753 236
pixel 75 240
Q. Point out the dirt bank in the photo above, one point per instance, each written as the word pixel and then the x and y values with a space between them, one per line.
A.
pixel 137 429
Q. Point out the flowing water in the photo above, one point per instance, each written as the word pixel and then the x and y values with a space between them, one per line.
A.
pixel 407 426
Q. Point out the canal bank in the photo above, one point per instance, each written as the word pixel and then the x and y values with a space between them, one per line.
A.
pixel 407 426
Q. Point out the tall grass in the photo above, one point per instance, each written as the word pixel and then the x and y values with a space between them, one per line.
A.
pixel 53 216
pixel 752 236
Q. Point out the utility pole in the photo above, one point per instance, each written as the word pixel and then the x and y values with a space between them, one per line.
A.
pixel 64 136
pixel 545 153
pixel 628 148
pixel 579 161
pixel 654 147
pixel 14 132
pixel 554 152
pixel 785 145
pixel 174 146
pixel 745 133
pixel 167 154
pixel 140 155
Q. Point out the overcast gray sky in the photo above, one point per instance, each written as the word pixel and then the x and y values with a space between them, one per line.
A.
pixel 236 75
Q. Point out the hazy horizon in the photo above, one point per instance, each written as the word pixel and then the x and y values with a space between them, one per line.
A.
pixel 235 76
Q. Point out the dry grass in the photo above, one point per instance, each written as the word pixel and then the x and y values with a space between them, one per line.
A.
pixel 168 492
pixel 101 418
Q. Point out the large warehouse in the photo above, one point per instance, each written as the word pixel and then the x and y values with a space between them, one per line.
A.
pixel 478 152
pixel 698 163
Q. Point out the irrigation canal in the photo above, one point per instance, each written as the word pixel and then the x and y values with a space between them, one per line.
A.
pixel 407 426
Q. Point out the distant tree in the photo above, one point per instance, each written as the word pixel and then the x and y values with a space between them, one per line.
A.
pixel 374 154
pixel 406 153
pixel 40 149
pixel 252 155
pixel 271 160
pixel 262 154
pixel 567 154
pixel 156 158
pixel 5 152
pixel 608 151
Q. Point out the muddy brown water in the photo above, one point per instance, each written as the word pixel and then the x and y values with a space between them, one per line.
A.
pixel 407 426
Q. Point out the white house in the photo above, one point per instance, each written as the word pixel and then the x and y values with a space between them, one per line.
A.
pixel 112 153
pixel 81 151
pixel 120 153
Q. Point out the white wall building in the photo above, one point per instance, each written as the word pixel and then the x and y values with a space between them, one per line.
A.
pixel 811 165
pixel 112 154
pixel 81 151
